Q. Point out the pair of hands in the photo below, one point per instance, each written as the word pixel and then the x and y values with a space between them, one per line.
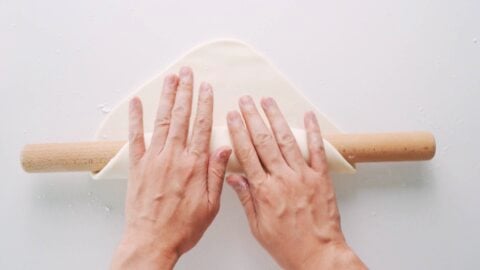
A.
pixel 175 185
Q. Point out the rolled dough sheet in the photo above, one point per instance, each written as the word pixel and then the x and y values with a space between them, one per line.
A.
pixel 233 69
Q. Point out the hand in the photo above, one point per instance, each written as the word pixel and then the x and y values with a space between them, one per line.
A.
pixel 174 186
pixel 290 204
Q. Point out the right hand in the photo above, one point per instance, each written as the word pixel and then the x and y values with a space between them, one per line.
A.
pixel 290 204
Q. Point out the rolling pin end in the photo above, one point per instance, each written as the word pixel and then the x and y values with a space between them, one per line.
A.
pixel 24 161
pixel 430 146
pixel 32 160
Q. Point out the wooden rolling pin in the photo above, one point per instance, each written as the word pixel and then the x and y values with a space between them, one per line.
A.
pixel 355 148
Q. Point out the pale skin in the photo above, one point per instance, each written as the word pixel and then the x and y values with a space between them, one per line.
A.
pixel 175 185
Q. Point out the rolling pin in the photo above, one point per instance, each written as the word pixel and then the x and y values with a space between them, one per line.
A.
pixel 355 148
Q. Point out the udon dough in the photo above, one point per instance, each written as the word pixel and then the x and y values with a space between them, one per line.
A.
pixel 233 69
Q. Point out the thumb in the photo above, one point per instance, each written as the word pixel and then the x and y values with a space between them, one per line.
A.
pixel 242 188
pixel 216 172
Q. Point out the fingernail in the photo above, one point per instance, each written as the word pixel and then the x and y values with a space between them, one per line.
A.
pixel 206 88
pixel 267 102
pixel 134 101
pixel 246 100
pixel 224 154
pixel 233 117
pixel 238 185
pixel 185 71
pixel 170 79
pixel 186 75
pixel 311 115
pixel 241 185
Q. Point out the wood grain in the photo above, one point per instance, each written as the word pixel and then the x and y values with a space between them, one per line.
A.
pixel 355 148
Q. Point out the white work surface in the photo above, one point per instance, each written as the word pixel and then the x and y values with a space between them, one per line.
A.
pixel 369 65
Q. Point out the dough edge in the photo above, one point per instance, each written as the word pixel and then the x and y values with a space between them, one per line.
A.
pixel 117 167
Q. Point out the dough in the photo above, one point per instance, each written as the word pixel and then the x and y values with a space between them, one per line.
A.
pixel 233 69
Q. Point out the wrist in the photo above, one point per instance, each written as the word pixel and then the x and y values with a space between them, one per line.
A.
pixel 334 256
pixel 140 250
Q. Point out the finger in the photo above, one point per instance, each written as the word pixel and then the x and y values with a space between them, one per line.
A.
pixel 242 188
pixel 178 132
pixel 318 160
pixel 243 147
pixel 164 112
pixel 135 131
pixel 217 166
pixel 263 141
pixel 283 134
pixel 202 128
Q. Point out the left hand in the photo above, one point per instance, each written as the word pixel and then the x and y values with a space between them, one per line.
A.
pixel 174 186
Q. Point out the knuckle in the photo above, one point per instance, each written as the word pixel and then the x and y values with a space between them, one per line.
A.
pixel 162 122
pixel 324 172
pixel 286 140
pixel 186 84
pixel 179 110
pixel 203 121
pixel 261 139
pixel 178 191
pixel 168 151
pixel 321 148
pixel 258 175
pixel 205 99
pixel 245 153
pixel 197 155
pixel 217 172
pixel 265 198
pixel 262 189
pixel 275 159
pixel 135 136
pixel 187 168
pixel 318 148
pixel 244 200
pixel 136 157
pixel 177 137
pixel 168 93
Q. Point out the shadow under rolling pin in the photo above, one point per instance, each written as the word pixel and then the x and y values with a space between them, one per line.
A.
pixel 355 148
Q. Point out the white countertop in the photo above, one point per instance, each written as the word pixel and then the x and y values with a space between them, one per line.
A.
pixel 369 65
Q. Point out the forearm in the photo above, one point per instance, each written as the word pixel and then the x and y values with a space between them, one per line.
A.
pixel 138 251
